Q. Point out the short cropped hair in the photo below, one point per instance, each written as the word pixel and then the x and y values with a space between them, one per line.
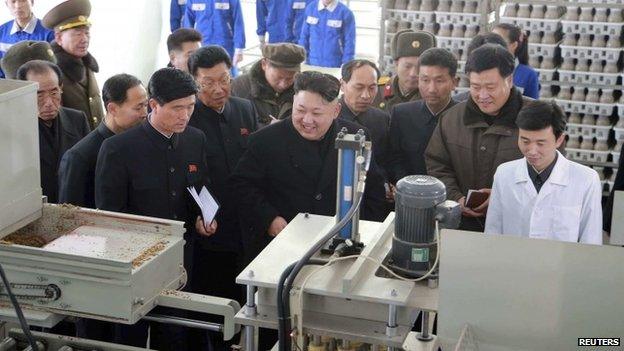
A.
pixel 208 57
pixel 168 84
pixel 38 67
pixel 441 58
pixel 326 85
pixel 116 88
pixel 348 68
pixel 485 38
pixel 181 36
pixel 538 115
pixel 491 56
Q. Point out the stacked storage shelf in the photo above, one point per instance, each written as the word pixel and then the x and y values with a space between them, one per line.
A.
pixel 454 22
pixel 577 49
pixel 590 83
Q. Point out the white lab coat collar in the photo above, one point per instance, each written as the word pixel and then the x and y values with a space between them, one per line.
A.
pixel 559 174
pixel 30 27
pixel 331 7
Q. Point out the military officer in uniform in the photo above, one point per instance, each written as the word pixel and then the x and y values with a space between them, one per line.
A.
pixel 71 47
pixel 59 127
pixel 147 170
pixel 406 45
pixel 269 84
pixel 23 52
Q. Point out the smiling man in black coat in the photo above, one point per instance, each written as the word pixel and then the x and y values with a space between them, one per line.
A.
pixel 291 166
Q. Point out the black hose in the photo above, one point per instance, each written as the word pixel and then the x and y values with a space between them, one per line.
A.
pixel 282 319
pixel 285 296
pixel 18 311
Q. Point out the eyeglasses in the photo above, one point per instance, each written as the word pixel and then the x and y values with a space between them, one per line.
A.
pixel 209 84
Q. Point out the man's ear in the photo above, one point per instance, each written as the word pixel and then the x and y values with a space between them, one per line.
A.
pixel 112 108
pixel 57 37
pixel 337 109
pixel 153 104
pixel 560 140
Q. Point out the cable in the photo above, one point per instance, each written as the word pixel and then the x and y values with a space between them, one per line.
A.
pixel 18 311
pixel 284 329
pixel 284 344
pixel 379 263
pixel 281 317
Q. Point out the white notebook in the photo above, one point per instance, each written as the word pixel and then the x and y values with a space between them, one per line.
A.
pixel 206 202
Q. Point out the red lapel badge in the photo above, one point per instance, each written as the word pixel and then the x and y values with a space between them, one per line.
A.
pixel 388 91
pixel 244 131
pixel 192 168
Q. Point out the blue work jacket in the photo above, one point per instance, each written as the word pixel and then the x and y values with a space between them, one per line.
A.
pixel 11 34
pixel 176 14
pixel 271 17
pixel 219 21
pixel 294 19
pixel 328 35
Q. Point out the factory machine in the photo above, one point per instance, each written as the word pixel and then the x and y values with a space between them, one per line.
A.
pixel 340 283
pixel 64 261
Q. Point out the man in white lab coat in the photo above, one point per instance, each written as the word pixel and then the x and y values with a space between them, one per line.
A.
pixel 544 195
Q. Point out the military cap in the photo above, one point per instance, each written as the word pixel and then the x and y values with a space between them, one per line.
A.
pixel 411 43
pixel 68 14
pixel 23 52
pixel 284 55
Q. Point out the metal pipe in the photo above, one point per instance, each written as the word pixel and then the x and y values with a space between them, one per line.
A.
pixel 251 291
pixel 185 322
pixel 424 333
pixel 249 338
pixel 392 316
pixel 250 311
pixel 391 327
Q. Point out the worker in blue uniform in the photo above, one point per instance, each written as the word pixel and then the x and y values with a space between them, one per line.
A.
pixel 176 14
pixel 23 26
pixel 271 18
pixel 525 77
pixel 294 19
pixel 221 23
pixel 328 33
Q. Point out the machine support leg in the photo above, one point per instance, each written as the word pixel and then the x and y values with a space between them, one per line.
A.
pixel 250 311
pixel 424 334
pixel 391 327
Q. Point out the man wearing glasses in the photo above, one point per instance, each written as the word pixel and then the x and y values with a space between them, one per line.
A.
pixel 227 122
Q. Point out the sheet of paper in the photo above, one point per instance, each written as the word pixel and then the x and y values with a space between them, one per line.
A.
pixel 206 203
